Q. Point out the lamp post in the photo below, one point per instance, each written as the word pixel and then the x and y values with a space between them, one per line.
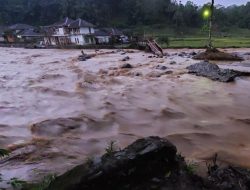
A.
pixel 208 14
pixel 210 44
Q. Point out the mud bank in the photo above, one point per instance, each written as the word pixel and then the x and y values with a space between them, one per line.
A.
pixel 56 111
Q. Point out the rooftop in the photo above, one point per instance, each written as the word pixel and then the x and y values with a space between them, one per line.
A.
pixel 29 32
pixel 20 27
pixel 80 23
pixel 113 31
pixel 64 22
pixel 101 33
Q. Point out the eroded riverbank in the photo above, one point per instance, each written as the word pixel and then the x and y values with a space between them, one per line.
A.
pixel 56 111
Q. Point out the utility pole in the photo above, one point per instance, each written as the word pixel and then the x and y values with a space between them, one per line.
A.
pixel 210 44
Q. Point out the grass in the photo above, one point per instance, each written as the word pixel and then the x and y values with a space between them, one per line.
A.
pixel 196 38
pixel 191 167
pixel 44 184
pixel 3 153
pixel 17 183
pixel 111 148
pixel 200 42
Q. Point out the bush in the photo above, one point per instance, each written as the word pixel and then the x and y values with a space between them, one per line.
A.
pixel 163 40
pixel 3 153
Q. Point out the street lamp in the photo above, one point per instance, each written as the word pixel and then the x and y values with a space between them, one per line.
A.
pixel 206 13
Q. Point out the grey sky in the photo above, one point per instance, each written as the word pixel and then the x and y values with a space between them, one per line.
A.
pixel 221 2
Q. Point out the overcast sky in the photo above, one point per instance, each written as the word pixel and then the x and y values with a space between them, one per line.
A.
pixel 221 2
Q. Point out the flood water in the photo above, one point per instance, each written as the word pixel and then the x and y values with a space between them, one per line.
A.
pixel 56 111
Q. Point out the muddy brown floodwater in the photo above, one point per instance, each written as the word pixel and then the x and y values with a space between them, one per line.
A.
pixel 56 111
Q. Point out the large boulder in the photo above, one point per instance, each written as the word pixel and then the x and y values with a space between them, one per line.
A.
pixel 144 159
pixel 213 72
pixel 148 164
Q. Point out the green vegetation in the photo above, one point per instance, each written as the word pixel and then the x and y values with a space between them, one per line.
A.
pixel 17 183
pixel 3 153
pixel 163 40
pixel 44 184
pixel 191 167
pixel 170 22
pixel 111 147
pixel 190 42
pixel 122 13
pixel 20 184
pixel 196 38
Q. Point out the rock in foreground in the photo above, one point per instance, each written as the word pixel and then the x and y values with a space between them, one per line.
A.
pixel 125 169
pixel 213 72
pixel 147 164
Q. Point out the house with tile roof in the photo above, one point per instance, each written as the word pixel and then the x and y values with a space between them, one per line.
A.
pixel 68 31
pixel 81 32
pixel 31 35
pixel 12 33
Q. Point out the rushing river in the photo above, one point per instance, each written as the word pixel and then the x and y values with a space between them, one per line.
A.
pixel 56 111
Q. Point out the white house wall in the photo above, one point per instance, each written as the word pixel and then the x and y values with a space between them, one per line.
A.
pixel 77 39
pixel 86 30
pixel 60 31
pixel 92 30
